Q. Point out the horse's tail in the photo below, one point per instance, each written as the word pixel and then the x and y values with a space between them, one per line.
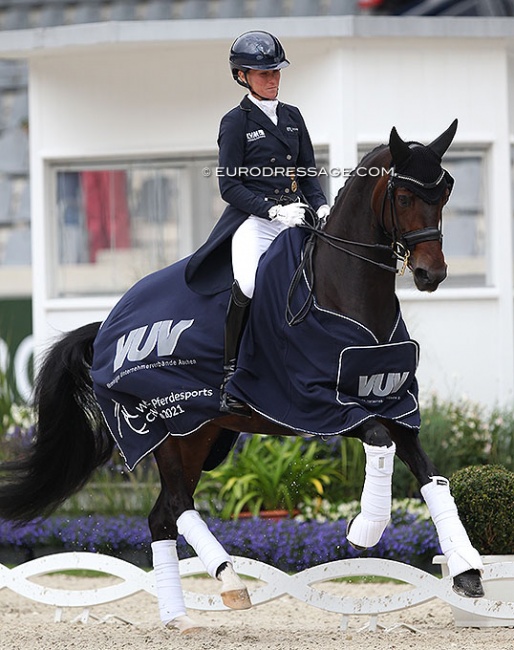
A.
pixel 71 440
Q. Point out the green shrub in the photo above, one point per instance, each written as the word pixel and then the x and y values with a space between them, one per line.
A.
pixel 268 473
pixel 484 496
pixel 457 434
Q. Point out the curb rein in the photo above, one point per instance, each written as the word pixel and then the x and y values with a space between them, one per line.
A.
pixel 401 245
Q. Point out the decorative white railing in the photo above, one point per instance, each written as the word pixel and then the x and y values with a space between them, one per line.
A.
pixel 425 586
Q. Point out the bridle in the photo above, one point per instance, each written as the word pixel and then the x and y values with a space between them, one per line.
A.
pixel 405 242
pixel 402 243
pixel 401 246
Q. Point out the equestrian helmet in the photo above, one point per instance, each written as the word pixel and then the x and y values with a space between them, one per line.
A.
pixel 256 50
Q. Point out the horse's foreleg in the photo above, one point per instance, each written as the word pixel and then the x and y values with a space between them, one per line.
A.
pixel 464 562
pixel 368 526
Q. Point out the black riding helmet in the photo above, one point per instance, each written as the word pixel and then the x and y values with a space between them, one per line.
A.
pixel 256 50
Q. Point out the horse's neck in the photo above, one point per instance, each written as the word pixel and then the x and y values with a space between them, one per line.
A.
pixel 354 290
pixel 351 286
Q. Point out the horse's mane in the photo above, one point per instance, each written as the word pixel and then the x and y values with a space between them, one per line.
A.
pixel 363 162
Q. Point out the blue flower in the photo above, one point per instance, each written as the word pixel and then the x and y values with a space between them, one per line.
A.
pixel 288 544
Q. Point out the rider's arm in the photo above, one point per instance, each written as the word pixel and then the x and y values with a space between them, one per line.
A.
pixel 309 185
pixel 231 143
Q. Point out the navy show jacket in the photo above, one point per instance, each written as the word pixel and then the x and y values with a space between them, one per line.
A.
pixel 260 163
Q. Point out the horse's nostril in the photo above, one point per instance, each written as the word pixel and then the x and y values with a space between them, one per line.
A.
pixel 428 280
pixel 424 279
pixel 422 274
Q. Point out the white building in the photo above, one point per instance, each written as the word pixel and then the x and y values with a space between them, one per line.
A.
pixel 141 102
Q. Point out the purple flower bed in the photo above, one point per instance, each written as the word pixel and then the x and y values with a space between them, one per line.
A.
pixel 292 546
pixel 288 544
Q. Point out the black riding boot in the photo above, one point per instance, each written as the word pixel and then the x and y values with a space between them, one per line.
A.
pixel 237 315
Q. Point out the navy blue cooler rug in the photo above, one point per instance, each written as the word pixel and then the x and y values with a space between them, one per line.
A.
pixel 158 360
pixel 328 373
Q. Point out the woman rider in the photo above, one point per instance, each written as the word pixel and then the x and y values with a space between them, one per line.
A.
pixel 264 153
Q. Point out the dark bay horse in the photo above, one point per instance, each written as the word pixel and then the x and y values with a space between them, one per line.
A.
pixel 389 209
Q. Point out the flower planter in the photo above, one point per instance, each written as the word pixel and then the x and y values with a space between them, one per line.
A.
pixel 501 589
pixel 274 515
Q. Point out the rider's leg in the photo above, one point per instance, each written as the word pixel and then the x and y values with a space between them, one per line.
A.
pixel 249 242
pixel 237 315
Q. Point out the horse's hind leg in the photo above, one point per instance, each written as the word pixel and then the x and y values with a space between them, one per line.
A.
pixel 368 526
pixel 464 563
pixel 216 560
pixel 180 462
pixel 172 609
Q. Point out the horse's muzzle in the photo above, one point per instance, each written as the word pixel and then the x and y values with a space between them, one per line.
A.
pixel 428 279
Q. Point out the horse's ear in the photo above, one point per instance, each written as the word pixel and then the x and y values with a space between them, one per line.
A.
pixel 400 151
pixel 441 144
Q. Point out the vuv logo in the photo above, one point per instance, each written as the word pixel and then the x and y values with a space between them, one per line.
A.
pixel 162 337
pixel 381 385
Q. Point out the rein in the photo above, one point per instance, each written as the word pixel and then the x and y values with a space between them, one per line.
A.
pixel 401 244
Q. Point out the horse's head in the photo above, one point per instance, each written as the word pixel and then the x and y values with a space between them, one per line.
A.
pixel 411 199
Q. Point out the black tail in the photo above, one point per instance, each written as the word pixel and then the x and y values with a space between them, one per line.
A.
pixel 71 439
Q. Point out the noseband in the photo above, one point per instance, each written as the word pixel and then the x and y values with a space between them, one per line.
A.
pixel 403 243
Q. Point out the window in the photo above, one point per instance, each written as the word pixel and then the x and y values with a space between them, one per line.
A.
pixel 116 223
pixel 464 223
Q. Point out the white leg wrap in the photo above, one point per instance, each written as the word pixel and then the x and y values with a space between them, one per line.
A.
pixel 454 540
pixel 367 528
pixel 167 580
pixel 206 546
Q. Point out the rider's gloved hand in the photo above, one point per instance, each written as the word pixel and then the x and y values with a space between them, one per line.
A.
pixel 323 211
pixel 291 214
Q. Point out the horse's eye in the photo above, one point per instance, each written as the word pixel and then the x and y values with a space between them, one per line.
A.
pixel 404 200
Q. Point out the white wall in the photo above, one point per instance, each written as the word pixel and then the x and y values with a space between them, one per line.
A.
pixel 140 101
pixel 466 337
pixel 169 98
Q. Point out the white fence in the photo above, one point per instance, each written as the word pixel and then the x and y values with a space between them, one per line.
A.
pixel 425 586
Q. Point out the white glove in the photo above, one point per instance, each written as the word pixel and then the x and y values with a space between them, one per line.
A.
pixel 323 212
pixel 291 214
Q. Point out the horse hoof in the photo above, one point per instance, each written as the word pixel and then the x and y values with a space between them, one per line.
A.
pixel 236 599
pixel 355 546
pixel 468 584
pixel 185 625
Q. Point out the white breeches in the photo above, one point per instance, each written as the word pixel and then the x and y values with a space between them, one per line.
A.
pixel 249 242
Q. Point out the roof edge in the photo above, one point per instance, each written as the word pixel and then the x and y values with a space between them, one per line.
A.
pixel 28 43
